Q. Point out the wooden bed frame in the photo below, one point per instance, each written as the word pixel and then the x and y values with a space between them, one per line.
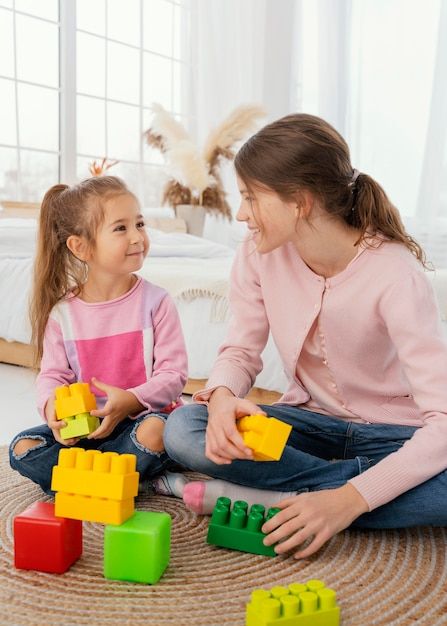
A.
pixel 16 353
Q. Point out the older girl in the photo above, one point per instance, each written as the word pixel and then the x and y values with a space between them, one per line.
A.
pixel 329 270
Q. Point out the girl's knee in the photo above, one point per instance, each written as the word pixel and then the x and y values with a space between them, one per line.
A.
pixel 185 432
pixel 23 445
pixel 149 434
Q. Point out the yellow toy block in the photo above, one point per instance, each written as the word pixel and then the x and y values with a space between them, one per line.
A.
pixel 91 509
pixel 97 474
pixel 310 604
pixel 266 436
pixel 71 400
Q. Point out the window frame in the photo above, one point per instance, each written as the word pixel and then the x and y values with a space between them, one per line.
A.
pixel 67 153
pixel 19 146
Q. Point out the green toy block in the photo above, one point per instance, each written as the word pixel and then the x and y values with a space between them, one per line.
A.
pixel 139 549
pixel 238 529
pixel 309 604
pixel 79 426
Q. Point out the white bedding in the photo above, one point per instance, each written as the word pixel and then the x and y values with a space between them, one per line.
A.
pixel 18 241
pixel 193 270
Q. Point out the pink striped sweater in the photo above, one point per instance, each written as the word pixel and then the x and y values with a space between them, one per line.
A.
pixel 134 342
pixel 384 350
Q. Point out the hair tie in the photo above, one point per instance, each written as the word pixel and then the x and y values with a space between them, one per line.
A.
pixel 355 175
pixel 353 187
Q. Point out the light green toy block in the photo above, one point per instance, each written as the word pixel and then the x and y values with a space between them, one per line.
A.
pixel 79 426
pixel 139 549
pixel 309 604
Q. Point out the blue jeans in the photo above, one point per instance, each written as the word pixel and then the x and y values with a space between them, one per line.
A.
pixel 37 463
pixel 307 462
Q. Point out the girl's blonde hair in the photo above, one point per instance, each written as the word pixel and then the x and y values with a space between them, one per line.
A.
pixel 65 211
pixel 303 152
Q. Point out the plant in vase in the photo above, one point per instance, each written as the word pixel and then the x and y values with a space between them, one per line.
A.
pixel 195 184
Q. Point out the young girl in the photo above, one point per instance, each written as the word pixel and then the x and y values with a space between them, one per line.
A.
pixel 329 269
pixel 94 320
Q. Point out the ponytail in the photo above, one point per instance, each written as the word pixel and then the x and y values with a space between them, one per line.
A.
pixel 65 211
pixel 50 280
pixel 373 212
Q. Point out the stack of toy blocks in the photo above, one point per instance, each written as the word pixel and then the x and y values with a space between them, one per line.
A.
pixel 239 529
pixel 95 486
pixel 101 487
pixel 45 542
pixel 73 404
pixel 310 604
pixel 266 436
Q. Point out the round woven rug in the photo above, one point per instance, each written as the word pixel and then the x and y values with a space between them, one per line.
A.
pixel 380 577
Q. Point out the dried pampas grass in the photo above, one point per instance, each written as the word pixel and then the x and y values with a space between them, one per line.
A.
pixel 189 167
pixel 240 123
pixel 195 177
pixel 165 126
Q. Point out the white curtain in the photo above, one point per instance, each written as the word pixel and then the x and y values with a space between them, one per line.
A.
pixel 377 70
pixel 242 52
pixel 430 222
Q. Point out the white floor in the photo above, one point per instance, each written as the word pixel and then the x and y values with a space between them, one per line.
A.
pixel 18 407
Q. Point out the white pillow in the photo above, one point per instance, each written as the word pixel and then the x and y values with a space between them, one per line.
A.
pixel 183 245
pixel 18 241
pixel 159 211
pixel 17 238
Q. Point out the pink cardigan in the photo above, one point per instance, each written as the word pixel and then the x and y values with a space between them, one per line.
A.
pixel 383 341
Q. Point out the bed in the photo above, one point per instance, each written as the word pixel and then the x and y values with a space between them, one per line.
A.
pixel 193 270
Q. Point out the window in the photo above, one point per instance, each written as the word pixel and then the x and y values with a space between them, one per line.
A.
pixel 116 59
pixel 29 93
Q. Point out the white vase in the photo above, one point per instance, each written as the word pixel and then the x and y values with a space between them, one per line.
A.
pixel 194 216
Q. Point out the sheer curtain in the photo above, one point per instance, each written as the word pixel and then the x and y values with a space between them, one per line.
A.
pixel 242 52
pixel 377 70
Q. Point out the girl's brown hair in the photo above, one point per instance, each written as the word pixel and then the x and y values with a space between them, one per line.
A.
pixel 303 152
pixel 65 211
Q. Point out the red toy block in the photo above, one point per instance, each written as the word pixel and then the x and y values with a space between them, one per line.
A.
pixel 44 542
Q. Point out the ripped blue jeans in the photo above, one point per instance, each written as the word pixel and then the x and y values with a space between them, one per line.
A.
pixel 37 463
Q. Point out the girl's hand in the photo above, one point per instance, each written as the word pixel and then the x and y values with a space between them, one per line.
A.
pixel 56 425
pixel 120 403
pixel 316 515
pixel 223 442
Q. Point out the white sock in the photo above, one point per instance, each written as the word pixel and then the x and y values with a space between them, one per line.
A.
pixel 169 484
pixel 200 496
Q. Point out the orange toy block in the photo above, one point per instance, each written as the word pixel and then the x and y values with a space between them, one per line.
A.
pixel 88 509
pixel 96 474
pixel 266 436
pixel 73 399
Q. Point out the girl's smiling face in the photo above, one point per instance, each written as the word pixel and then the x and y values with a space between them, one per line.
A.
pixel 271 220
pixel 121 242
